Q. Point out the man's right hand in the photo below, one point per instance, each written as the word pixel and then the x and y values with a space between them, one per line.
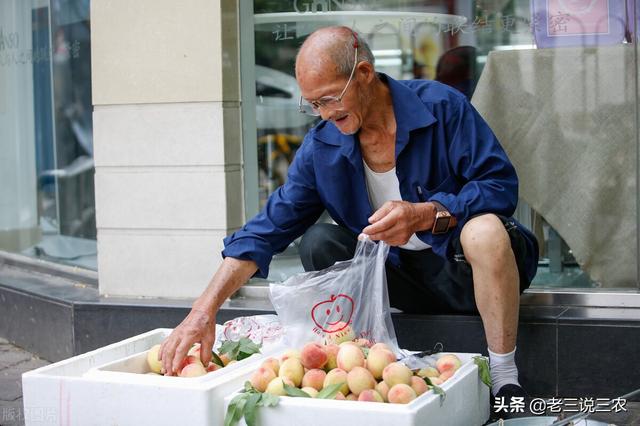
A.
pixel 198 326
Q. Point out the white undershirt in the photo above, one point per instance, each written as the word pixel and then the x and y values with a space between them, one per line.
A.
pixel 383 187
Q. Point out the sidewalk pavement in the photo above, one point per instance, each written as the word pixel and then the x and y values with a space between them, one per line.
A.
pixel 13 362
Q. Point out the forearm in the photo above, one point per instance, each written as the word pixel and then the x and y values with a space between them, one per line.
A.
pixel 229 277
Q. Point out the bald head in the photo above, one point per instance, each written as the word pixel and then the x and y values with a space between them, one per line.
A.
pixel 332 49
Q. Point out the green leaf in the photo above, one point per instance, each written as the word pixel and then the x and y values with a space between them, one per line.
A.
pixel 240 410
pixel 269 400
pixel 243 355
pixel 366 352
pixel 216 359
pixel 250 408
pixel 232 409
pixel 483 369
pixel 436 389
pixel 330 391
pixel 439 391
pixel 293 391
pixel 248 387
pixel 230 348
pixel 239 350
pixel 248 346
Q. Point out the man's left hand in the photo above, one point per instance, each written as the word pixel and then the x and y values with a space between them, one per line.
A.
pixel 396 221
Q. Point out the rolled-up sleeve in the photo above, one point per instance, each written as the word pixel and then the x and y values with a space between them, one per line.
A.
pixel 489 183
pixel 289 211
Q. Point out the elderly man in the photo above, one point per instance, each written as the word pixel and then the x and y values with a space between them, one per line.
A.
pixel 410 163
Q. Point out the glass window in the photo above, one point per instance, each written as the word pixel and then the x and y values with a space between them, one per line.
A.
pixel 47 204
pixel 555 79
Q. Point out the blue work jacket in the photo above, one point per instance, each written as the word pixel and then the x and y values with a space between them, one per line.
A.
pixel 445 152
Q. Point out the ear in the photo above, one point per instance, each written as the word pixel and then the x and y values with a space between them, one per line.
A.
pixel 365 72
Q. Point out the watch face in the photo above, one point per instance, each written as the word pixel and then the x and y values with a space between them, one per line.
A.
pixel 441 225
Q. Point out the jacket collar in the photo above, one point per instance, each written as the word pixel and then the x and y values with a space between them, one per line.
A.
pixel 410 113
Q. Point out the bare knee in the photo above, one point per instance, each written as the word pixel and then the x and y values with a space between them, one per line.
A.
pixel 484 237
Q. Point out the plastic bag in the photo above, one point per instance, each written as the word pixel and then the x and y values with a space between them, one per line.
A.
pixel 346 301
pixel 261 329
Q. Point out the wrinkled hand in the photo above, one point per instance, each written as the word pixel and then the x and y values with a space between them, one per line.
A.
pixel 396 221
pixel 198 326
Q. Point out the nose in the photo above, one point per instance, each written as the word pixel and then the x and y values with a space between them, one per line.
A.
pixel 327 113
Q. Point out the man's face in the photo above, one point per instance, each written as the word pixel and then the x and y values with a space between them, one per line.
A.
pixel 347 116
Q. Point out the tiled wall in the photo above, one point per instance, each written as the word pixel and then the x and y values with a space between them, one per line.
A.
pixel 167 138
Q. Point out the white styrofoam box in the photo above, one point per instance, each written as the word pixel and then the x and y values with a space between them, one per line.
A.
pixel 100 388
pixel 466 404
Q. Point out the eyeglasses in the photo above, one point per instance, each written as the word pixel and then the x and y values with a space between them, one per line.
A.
pixel 329 102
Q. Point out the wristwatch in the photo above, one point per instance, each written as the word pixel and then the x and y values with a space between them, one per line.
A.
pixel 443 220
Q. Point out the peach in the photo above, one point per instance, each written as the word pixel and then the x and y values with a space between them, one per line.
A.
pixel 340 397
pixel 383 389
pixel 363 343
pixel 378 360
pixel 310 391
pixel 292 369
pixel 190 359
pixel 155 365
pixel 351 397
pixel 396 373
pixel 272 363
pixel 359 379
pixel 195 350
pixel 335 376
pixel 261 378
pixel 419 385
pixel 289 353
pixel 370 395
pixel 428 372
pixel 313 356
pixel 350 356
pixel 276 386
pixel 401 394
pixel 332 354
pixel 225 359
pixel 348 342
pixel 212 367
pixel 436 381
pixel 193 370
pixel 380 346
pixel 314 379
pixel 345 333
pixel 446 375
pixel 448 362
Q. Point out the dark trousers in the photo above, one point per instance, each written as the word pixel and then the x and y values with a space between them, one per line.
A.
pixel 422 283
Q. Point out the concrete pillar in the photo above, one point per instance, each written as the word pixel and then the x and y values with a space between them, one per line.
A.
pixel 167 141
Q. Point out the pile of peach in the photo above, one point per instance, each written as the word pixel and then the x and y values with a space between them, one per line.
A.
pixel 365 374
pixel 191 365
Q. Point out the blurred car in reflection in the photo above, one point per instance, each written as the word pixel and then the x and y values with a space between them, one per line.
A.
pixel 277 96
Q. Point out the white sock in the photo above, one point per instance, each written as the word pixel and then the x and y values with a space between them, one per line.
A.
pixel 503 370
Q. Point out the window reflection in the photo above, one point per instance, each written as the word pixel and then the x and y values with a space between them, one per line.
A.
pixel 46 124
pixel 451 52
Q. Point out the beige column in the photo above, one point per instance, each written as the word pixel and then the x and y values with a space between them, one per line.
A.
pixel 167 140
